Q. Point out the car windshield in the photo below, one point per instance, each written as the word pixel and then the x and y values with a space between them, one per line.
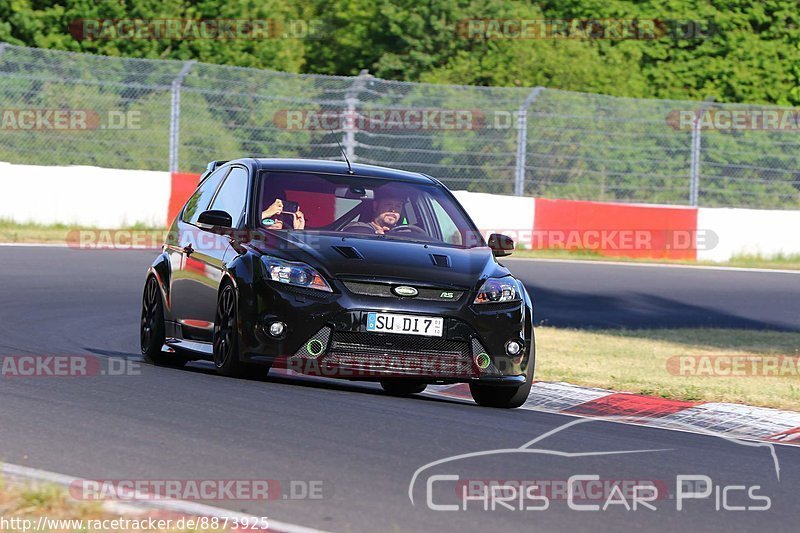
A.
pixel 363 207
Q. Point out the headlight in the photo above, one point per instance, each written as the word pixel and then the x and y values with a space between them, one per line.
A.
pixel 495 290
pixel 295 273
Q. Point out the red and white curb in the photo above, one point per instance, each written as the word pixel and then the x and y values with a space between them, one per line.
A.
pixel 712 418
pixel 164 507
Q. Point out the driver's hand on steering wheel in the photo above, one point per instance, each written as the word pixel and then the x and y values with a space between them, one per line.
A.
pixel 379 229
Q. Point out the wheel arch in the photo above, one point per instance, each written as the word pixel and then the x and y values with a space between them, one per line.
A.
pixel 241 275
pixel 160 269
pixel 530 334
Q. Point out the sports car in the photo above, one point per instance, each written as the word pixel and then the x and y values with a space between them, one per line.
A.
pixel 345 271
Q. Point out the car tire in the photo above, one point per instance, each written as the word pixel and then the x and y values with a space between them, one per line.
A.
pixel 402 388
pixel 227 359
pixel 151 328
pixel 503 396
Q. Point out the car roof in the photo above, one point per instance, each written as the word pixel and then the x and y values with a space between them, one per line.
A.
pixel 338 167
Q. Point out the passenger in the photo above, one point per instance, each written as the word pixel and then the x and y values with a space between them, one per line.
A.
pixel 269 217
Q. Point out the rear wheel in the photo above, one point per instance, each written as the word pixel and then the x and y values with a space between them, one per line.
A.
pixel 402 388
pixel 151 328
pixel 226 339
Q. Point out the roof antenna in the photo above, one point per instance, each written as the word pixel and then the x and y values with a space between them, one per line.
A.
pixel 349 168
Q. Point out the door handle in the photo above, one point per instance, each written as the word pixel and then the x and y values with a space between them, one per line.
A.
pixel 188 250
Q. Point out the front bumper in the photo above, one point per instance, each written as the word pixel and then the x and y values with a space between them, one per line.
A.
pixel 326 335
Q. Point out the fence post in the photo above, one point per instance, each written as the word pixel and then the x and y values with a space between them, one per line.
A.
pixel 694 184
pixel 522 140
pixel 3 47
pixel 175 115
pixel 351 101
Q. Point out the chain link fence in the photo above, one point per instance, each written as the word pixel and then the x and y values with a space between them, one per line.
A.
pixel 174 115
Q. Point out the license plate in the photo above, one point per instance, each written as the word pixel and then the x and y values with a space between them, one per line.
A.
pixel 406 324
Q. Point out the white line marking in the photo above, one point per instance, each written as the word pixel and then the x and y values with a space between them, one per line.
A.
pixel 178 506
pixel 35 244
pixel 655 265
pixel 85 248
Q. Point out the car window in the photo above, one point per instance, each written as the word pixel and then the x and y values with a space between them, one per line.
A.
pixel 448 228
pixel 202 196
pixel 232 196
pixel 410 215
pixel 350 205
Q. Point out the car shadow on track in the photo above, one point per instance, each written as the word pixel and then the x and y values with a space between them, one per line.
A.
pixel 205 368
pixel 363 387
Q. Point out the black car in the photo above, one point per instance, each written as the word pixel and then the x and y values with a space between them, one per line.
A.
pixel 357 272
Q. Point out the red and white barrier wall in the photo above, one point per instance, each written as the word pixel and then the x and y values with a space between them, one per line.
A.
pixel 749 231
pixel 85 196
pixel 639 230
pixel 109 198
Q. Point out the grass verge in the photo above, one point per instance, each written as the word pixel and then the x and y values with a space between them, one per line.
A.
pixel 22 506
pixel 648 362
pixel 27 233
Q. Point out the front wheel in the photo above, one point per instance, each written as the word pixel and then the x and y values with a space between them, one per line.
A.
pixel 151 328
pixel 500 395
pixel 226 339
pixel 504 396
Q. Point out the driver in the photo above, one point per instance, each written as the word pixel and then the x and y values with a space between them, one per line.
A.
pixel 386 214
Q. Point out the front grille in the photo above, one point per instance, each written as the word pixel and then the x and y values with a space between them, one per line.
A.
pixel 316 345
pixel 392 343
pixel 388 353
pixel 412 365
pixel 384 290
pixel 302 291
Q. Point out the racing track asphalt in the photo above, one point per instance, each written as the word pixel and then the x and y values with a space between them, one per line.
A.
pixel 362 445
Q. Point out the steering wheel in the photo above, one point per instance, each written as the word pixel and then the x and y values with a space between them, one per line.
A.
pixel 409 229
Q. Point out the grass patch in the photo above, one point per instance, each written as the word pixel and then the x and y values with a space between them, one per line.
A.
pixel 637 361
pixel 31 232
pixel 32 501
pixel 780 261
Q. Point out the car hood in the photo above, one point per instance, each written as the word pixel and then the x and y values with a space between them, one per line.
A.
pixel 369 258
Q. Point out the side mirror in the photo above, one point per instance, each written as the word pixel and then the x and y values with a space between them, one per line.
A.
pixel 501 245
pixel 215 219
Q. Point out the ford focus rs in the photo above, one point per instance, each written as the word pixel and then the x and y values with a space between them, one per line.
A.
pixel 356 272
